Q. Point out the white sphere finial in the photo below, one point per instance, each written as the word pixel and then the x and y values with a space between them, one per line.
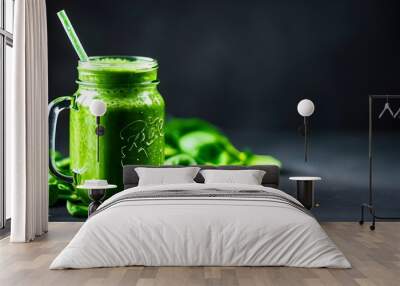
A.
pixel 305 107
pixel 98 107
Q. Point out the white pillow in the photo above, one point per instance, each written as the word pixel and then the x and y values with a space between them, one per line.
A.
pixel 248 177
pixel 166 176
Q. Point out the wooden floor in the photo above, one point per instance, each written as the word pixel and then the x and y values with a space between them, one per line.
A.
pixel 375 257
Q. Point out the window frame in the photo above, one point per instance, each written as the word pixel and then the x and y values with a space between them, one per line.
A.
pixel 6 39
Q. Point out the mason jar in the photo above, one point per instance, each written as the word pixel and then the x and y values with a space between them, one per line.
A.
pixel 129 132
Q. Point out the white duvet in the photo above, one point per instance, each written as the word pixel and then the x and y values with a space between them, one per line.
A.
pixel 200 231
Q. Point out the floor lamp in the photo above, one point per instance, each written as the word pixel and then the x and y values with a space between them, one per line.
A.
pixel 306 108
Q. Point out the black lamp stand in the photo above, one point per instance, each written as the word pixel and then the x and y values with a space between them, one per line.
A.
pixel 100 130
pixel 305 138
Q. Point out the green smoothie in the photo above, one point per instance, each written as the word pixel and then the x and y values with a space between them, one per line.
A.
pixel 133 122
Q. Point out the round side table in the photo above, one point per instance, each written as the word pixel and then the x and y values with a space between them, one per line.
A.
pixel 305 190
pixel 96 194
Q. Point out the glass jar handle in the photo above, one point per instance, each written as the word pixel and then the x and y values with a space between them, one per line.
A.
pixel 55 107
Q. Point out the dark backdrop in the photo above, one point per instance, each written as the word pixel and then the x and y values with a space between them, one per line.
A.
pixel 244 64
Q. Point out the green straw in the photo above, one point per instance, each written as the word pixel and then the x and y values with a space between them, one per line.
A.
pixel 72 36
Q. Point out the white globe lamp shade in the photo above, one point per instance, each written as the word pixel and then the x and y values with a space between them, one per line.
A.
pixel 305 107
pixel 98 107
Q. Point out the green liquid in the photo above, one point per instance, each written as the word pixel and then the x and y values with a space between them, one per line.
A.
pixel 133 122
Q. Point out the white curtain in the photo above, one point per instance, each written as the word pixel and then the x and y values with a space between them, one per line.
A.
pixel 26 124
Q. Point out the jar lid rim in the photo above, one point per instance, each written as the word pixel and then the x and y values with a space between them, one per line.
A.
pixel 118 84
pixel 134 63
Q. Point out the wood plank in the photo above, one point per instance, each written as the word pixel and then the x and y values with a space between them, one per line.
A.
pixel 375 257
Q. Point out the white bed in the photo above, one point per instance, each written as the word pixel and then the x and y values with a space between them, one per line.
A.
pixel 267 229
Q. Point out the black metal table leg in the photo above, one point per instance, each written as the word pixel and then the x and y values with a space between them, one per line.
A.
pixel 305 190
pixel 96 195
pixel 372 227
pixel 305 193
pixel 361 222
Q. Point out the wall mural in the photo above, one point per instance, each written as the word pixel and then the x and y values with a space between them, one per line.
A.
pixel 231 74
pixel 117 118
